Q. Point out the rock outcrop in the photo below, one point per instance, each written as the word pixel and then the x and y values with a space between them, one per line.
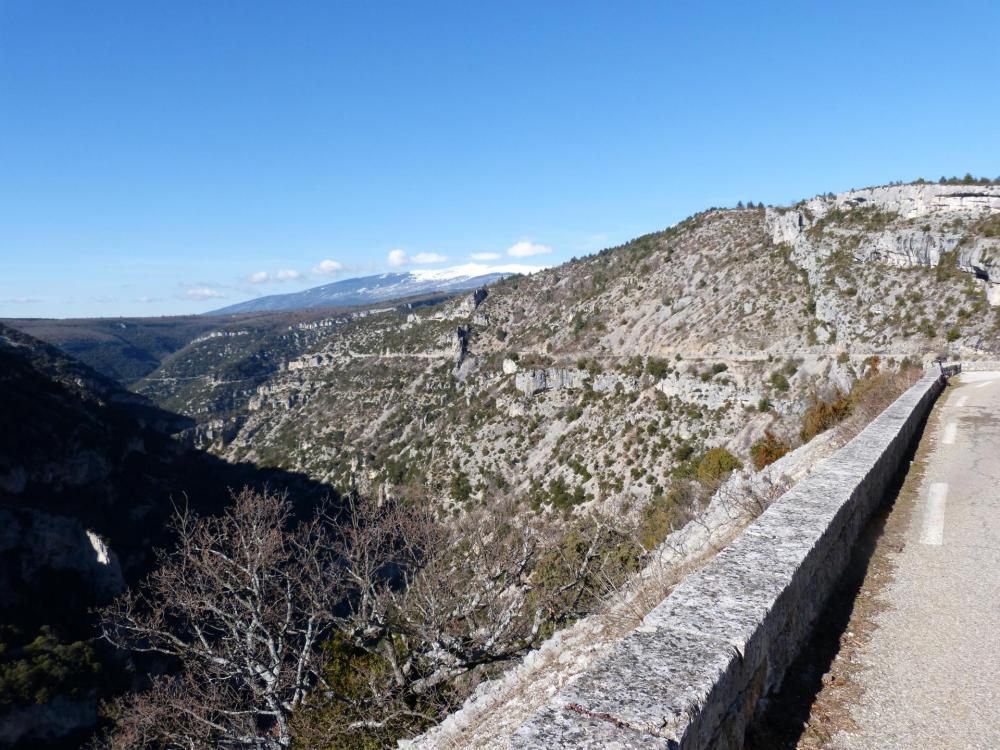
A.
pixel 531 382
pixel 929 227
pixel 473 301
pixel 40 544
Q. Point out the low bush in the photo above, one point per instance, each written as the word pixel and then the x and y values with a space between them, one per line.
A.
pixel 716 464
pixel 768 449
pixel 868 397
pixel 657 368
pixel 665 513
pixel 822 415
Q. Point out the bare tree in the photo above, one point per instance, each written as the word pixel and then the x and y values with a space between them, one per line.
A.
pixel 467 594
pixel 350 629
pixel 242 605
pixel 428 602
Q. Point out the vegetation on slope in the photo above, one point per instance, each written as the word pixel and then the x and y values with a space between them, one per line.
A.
pixel 599 403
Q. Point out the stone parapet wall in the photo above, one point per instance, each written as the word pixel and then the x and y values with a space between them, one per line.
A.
pixel 967 365
pixel 691 675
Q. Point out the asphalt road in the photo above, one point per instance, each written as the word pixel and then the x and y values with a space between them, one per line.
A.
pixel 931 672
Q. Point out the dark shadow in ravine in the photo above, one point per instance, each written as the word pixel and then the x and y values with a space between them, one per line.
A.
pixel 81 456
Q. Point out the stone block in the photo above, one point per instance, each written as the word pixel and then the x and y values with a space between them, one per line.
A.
pixel 562 726
pixel 655 682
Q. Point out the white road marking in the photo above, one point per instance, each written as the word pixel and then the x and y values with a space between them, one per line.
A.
pixel 933 528
pixel 961 402
pixel 950 432
pixel 983 385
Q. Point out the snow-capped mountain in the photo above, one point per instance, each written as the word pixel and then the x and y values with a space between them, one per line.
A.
pixel 385 286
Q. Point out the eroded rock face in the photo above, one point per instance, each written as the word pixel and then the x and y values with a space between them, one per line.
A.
pixel 33 542
pixel 464 363
pixel 927 228
pixel 606 382
pixel 712 394
pixel 910 247
pixel 916 201
pixel 474 300
pixel 221 431
pixel 531 382
pixel 312 360
pixel 460 346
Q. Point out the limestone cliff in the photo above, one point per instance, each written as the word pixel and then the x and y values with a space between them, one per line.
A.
pixel 605 372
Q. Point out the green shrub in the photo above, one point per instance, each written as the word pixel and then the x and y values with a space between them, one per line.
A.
pixel 664 513
pixel 990 226
pixel 657 368
pixel 716 464
pixel 683 452
pixel 344 722
pixel 947 267
pixel 45 668
pixel 572 413
pixel 461 488
pixel 560 495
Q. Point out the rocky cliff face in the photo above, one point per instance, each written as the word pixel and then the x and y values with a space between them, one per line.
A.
pixel 923 224
pixel 603 374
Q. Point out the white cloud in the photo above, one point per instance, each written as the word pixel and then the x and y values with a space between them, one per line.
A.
pixel 429 258
pixel 484 256
pixel 399 257
pixel 146 300
pixel 526 249
pixel 202 293
pixel 328 268
pixel 19 301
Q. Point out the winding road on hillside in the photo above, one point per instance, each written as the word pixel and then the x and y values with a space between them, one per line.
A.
pixel 930 675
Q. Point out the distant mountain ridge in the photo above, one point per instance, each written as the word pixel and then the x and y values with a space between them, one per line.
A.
pixel 386 286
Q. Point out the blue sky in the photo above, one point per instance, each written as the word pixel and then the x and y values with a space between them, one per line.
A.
pixel 155 154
